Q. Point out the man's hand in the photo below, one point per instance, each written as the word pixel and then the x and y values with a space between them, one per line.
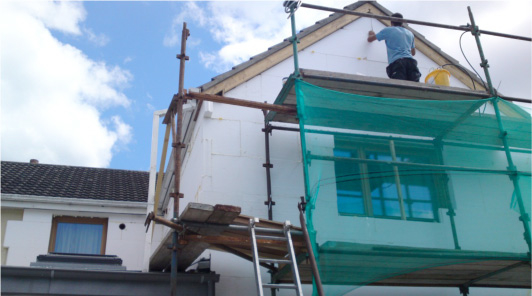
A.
pixel 371 36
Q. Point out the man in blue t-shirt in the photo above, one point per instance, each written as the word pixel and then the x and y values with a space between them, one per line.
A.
pixel 401 49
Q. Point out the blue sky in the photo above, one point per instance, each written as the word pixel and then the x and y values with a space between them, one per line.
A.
pixel 80 80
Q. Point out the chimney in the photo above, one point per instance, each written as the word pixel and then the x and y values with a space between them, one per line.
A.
pixel 34 161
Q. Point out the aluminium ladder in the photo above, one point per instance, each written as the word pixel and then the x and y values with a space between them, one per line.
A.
pixel 291 255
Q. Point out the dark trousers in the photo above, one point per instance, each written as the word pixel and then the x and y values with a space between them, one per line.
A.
pixel 404 69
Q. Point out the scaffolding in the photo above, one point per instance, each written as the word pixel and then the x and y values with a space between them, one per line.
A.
pixel 285 111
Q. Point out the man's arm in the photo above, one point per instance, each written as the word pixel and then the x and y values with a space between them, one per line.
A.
pixel 371 36
pixel 413 51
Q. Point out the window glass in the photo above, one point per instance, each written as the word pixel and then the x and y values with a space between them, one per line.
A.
pixel 77 238
pixel 78 235
pixel 370 189
pixel 350 198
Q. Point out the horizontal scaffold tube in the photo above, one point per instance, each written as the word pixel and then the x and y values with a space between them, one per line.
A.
pixel 240 228
pixel 382 17
pixel 240 102
pixel 183 224
pixel 419 165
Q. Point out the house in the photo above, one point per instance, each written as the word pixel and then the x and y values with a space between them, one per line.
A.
pixel 80 229
pixel 242 163
pixel 351 167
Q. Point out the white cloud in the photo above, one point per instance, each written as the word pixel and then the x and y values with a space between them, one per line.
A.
pixel 243 28
pixel 190 12
pixel 53 94
pixel 122 130
pixel 63 16
pixel 98 39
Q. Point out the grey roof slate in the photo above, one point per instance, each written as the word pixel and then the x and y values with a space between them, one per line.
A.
pixel 74 182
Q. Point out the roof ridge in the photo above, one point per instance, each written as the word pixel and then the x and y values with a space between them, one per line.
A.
pixel 73 166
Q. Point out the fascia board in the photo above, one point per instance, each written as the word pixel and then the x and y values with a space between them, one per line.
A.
pixel 72 204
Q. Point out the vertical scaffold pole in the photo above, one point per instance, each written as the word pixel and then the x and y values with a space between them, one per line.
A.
pixel 178 146
pixel 293 6
pixel 268 166
pixel 483 62
pixel 514 176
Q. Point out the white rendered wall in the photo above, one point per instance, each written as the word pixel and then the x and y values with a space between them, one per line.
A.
pixel 224 162
pixel 30 237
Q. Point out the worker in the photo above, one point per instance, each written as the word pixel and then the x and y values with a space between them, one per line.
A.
pixel 401 49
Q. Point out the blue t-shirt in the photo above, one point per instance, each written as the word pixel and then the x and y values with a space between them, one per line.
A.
pixel 399 42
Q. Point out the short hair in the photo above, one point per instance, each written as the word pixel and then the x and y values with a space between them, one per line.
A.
pixel 397 24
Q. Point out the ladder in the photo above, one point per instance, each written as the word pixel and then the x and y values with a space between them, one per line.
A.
pixel 291 258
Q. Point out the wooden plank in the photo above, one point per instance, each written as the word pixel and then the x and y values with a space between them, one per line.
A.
pixel 196 212
pixel 224 214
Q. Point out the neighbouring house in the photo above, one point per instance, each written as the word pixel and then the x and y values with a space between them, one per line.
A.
pixel 390 169
pixel 67 228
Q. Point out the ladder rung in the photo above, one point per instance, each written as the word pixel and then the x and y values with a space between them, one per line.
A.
pixel 279 238
pixel 279 286
pixel 268 260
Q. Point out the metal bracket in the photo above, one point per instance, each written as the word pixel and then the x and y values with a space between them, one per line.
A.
pixel 175 195
pixel 149 218
pixel 269 202
pixel 503 134
pixel 180 56
pixel 292 39
pixel 464 290
pixel 179 144
pixel 485 64
pixel 302 205
pixel 267 165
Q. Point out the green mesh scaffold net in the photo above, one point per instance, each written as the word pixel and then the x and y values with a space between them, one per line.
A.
pixel 395 185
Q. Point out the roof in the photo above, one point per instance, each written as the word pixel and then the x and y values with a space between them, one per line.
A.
pixel 447 59
pixel 74 182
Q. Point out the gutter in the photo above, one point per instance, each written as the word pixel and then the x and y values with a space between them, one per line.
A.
pixel 69 204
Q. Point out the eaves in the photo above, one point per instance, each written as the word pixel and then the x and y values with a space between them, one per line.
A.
pixel 73 204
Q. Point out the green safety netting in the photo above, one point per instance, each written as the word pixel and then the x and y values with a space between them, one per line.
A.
pixel 395 185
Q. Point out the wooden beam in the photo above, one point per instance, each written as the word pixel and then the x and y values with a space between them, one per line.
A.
pixel 242 103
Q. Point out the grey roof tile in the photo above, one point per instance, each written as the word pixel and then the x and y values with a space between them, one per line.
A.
pixel 74 182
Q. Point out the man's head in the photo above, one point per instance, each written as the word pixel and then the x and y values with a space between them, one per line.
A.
pixel 397 24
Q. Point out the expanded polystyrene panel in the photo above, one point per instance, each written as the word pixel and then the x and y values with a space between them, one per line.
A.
pixel 26 240
pixel 127 243
pixel 225 136
pixel 238 174
pixel 252 140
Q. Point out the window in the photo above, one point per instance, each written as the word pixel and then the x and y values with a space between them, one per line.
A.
pixel 381 190
pixel 76 235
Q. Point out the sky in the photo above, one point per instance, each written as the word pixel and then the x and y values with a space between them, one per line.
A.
pixel 80 80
